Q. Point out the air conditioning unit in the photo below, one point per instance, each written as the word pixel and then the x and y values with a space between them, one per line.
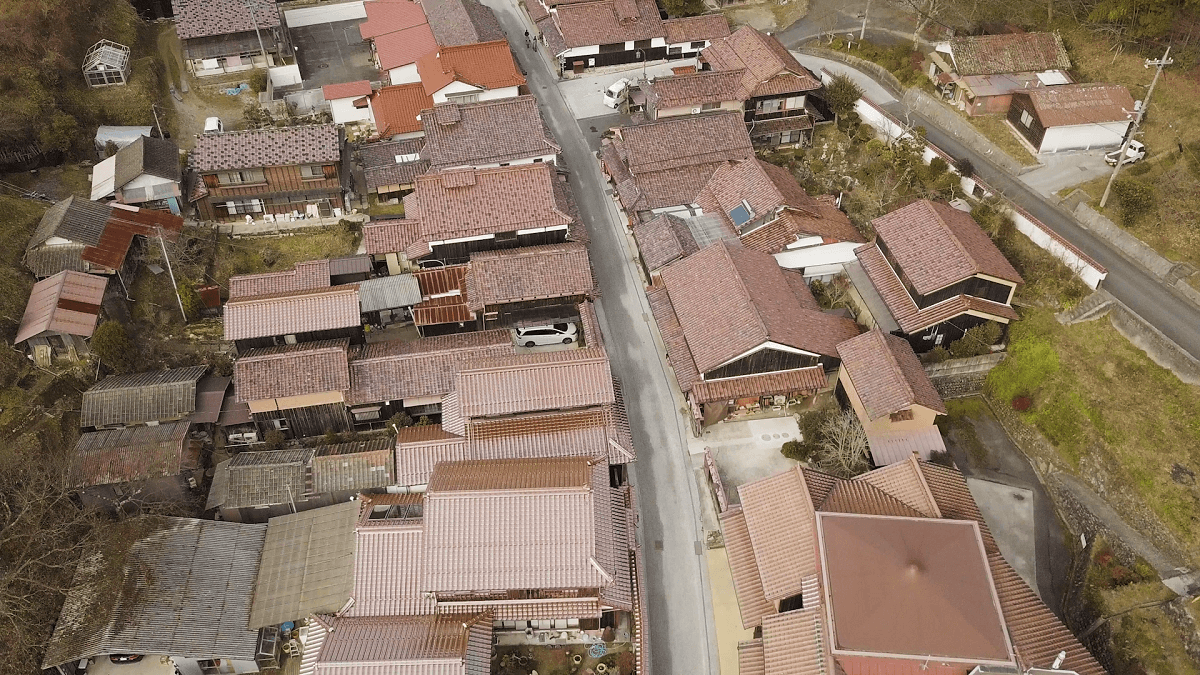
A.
pixel 695 111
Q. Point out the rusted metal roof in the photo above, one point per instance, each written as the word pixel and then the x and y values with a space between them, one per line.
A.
pixel 132 454
pixel 68 302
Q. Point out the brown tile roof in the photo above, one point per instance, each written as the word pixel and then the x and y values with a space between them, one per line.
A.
pixel 901 305
pixel 782 528
pixel 696 28
pixel 685 141
pixel 769 68
pixel 794 643
pixel 682 361
pixel 389 16
pixel 354 89
pixel 730 300
pixel 290 313
pixel 459 644
pixel 663 240
pixel 461 22
pixel 257 148
pixel 751 659
pixel 305 275
pixel 1072 104
pixel 887 374
pixel 394 370
pixel 394 174
pixel 906 481
pixel 530 609
pixel 781 124
pixel 404 47
pixel 397 108
pixel 601 22
pixel 389 236
pixel 388 567
pixel 203 18
pixel 562 380
pixel 487 65
pixel 469 202
pixel 418 452
pixel 488 132
pixel 584 433
pixel 831 224
pixel 936 245
pixel 132 453
pixel 694 89
pixel 806 380
pixel 1008 53
pixel 862 497
pixel 137 398
pixel 530 273
pixel 292 370
pixel 747 584
pixel 68 302
pixel 468 503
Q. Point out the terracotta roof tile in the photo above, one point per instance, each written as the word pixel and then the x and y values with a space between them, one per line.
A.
pixel 685 141
pixel 561 380
pixel 305 275
pixel 936 245
pixel 393 371
pixel 257 148
pixel 530 273
pixel 769 68
pixel 805 380
pixel 795 643
pixel 905 481
pixel 417 453
pixel 696 28
pixel 694 89
pixel 291 313
pixel 487 65
pixel 782 528
pixel 442 644
pixel 730 300
pixel 1072 104
pixel 389 16
pixel 466 203
pixel 292 370
pixel 397 108
pixel 388 567
pixel 887 375
pixel 601 22
pixel 68 302
pixel 682 361
pixel 404 47
pixel 751 659
pixel 389 236
pixel 488 132
pixel 862 497
pixel 569 608
pixel 202 18
pixel 354 89
pixel 1008 53
pixel 663 240
pixel 743 566
pixel 462 22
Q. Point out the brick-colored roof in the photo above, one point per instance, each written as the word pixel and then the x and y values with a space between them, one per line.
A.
pixel 585 432
pixel 794 643
pixel 100 234
pixel 462 22
pixel 887 375
pixel 131 454
pixel 905 481
pixel 694 89
pixel 404 47
pixel 292 370
pixel 808 380
pixel 390 16
pixel 305 275
pixel 562 380
pixel 445 644
pixel 600 22
pixel 1074 104
pixel 346 90
pixel 68 302
pixel 696 28
pixel 769 68
pixel 472 202
pixel 663 240
pixel 488 132
pixel 1008 53
pixel 685 141
pixel 764 186
pixel 729 300
pixel 389 236
pixel 291 313
pixel 478 533
pixel 531 273
pixel 856 496
pixel 831 224
pixel 487 65
pixel 751 659
pixel 393 371
pixel 388 568
pixel 782 530
pixel 747 584
pixel 682 361
pixel 203 18
pixel 397 108
pixel 936 245
pixel 257 148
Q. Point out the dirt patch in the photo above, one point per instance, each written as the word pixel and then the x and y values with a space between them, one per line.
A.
pixel 759 16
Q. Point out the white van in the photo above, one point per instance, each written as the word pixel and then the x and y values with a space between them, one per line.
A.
pixel 555 334
pixel 616 93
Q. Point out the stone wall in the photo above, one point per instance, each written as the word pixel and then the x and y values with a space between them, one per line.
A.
pixel 959 378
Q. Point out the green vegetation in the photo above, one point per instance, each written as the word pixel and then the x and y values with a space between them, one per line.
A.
pixel 998 132
pixel 18 218
pixel 842 93
pixel 957 422
pixel 1135 196
pixel 374 208
pixel 977 341
pixel 111 344
pixel 1047 279
pixel 271 254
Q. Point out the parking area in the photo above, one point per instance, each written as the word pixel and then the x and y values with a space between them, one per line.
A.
pixel 747 451
pixel 1066 169
pixel 329 53
pixel 585 95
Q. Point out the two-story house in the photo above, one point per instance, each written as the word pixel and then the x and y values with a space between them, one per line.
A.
pixel 297 389
pixel 781 98
pixel 531 286
pixel 293 171
pixel 469 73
pixel 229 36
pixel 979 73
pixel 598 33
pixel 687 36
pixel 144 173
pixel 930 275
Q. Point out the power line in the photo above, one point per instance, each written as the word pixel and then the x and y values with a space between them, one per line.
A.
pixel 1165 61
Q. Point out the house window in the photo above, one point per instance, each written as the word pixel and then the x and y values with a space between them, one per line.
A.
pixel 244 206
pixel 471 97
pixel 789 137
pixel 674 51
pixel 311 171
pixel 642 44
pixel 792 602
pixel 794 102
pixel 697 45
pixel 769 106
pixel 243 177
pixel 396 511
pixel 280 424
pixel 1026 118
pixel 710 106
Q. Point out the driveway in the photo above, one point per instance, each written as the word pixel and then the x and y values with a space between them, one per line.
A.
pixel 675 567
pixel 585 95
pixel 1064 170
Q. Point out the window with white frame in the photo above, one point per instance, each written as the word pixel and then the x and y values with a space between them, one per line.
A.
pixel 244 206
pixel 471 97
pixel 789 137
pixel 794 102
pixel 243 177
pixel 769 106
pixel 1026 118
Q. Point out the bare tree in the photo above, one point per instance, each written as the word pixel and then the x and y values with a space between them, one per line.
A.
pixel 842 448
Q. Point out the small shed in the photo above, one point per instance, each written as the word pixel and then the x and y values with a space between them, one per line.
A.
pixel 106 63
pixel 61 314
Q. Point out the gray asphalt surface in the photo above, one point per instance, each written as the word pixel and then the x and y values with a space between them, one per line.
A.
pixel 675 570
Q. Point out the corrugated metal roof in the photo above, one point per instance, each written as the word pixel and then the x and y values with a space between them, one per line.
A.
pixel 68 302
pixel 131 454
pixel 535 382
pixel 141 397
pixel 307 565
pixel 897 446
pixel 185 592
pixel 401 290
pixel 46 261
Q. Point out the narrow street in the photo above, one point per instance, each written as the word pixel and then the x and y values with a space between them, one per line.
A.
pixel 681 633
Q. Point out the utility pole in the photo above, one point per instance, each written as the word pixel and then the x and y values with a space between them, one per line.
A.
pixel 154 110
pixel 174 286
pixel 1159 64
pixel 862 34
pixel 250 5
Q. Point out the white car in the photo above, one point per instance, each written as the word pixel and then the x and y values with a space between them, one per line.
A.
pixel 213 125
pixel 616 93
pixel 1133 153
pixel 559 333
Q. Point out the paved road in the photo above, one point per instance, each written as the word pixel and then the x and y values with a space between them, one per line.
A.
pixel 1142 292
pixel 675 572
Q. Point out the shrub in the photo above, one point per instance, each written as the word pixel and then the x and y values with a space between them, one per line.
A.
pixel 1136 198
pixel 423 421
pixel 937 354
pixel 841 94
pixel 942 457
pixel 977 341
pixel 190 299
pixel 258 80
pixel 400 420
pixel 331 437
pixel 1031 361
pixel 801 452
pixel 274 440
pixel 111 344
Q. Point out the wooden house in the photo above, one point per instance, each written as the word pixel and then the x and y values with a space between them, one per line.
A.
pixel 61 315
pixel 297 389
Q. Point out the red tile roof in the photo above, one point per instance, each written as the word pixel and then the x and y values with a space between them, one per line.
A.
pixel 487 65
pixel 1073 104
pixel 488 132
pixel 678 353
pixel 393 371
pixel 291 313
pixel 204 18
pixel 462 22
pixel 574 378
pixel 694 89
pixel 663 240
pixel 305 275
pixel 696 28
pixel 389 236
pixel 803 380
pixel 1008 53
pixel 68 302
pixel 397 108
pixel 472 202
pixel 730 300
pixel 769 68
pixel 292 370
pixel 747 584
pixel 531 273
pixel 404 47
pixel 937 245
pixel 685 141
pixel 346 90
pixel 887 375
pixel 389 16
pixel 444 643
pixel 600 22
pixel 782 530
